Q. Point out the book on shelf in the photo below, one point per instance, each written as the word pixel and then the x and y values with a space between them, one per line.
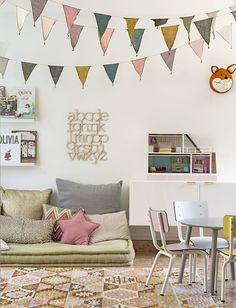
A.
pixel 28 146
pixel 8 104
pixel 10 148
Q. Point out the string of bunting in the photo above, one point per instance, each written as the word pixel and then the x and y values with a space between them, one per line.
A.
pixel 204 26
pixel 111 69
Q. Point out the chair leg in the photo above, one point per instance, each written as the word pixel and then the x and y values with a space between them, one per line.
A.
pixel 223 272
pixel 167 275
pixel 205 274
pixel 190 268
pixel 216 275
pixel 152 269
pixel 194 267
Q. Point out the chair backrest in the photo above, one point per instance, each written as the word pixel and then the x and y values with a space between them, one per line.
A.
pixel 158 223
pixel 229 230
pixel 189 209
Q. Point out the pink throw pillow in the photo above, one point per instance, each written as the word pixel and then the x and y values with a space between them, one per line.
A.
pixel 77 230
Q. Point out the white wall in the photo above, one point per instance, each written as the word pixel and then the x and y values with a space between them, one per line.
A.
pixel 182 102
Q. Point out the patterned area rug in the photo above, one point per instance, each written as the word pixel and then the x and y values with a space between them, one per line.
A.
pixel 96 287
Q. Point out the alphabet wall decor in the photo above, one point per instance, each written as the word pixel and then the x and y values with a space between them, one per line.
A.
pixel 221 80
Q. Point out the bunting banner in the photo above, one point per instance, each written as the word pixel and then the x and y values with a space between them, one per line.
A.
pixel 168 57
pixel 70 14
pixel 27 69
pixel 75 32
pixel 47 25
pixel 226 34
pixel 3 65
pixel 197 47
pixel 139 66
pixel 187 21
pixel 169 34
pixel 37 8
pixel 160 22
pixel 55 72
pixel 21 15
pixel 213 15
pixel 131 23
pixel 82 72
pixel 137 38
pixel 111 70
pixel 234 14
pixel 102 22
pixel 1 2
pixel 105 39
pixel 204 28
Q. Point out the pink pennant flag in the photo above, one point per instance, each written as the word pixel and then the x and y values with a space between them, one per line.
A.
pixel 70 14
pixel 105 39
pixel 197 47
pixel 21 15
pixel 168 57
pixel 75 32
pixel 226 33
pixel 47 24
pixel 139 66
pixel 1 2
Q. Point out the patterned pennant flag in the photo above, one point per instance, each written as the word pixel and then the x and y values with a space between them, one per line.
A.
pixel 226 33
pixel 27 69
pixel 47 25
pixel 137 38
pixel 105 39
pixel 21 15
pixel 37 8
pixel 169 34
pixel 111 70
pixel 234 14
pixel 131 23
pixel 3 65
pixel 102 22
pixel 213 15
pixel 82 72
pixel 204 28
pixel 187 24
pixel 75 31
pixel 160 22
pixel 168 57
pixel 55 72
pixel 139 66
pixel 70 14
pixel 197 47
pixel 1 2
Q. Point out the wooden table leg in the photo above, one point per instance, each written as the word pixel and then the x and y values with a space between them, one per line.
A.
pixel 213 259
pixel 183 260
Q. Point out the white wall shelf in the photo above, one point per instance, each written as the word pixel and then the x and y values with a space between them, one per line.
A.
pixel 2 120
pixel 19 165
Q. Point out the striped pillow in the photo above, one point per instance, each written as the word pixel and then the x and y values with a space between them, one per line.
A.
pixel 57 213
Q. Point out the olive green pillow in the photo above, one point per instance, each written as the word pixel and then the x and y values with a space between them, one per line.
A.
pixel 24 203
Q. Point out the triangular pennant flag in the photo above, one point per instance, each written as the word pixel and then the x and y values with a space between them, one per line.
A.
pixel 47 24
pixel 27 69
pixel 234 14
pixel 37 8
pixel 82 72
pixel 111 70
pixel 168 57
pixel 75 31
pixel 187 24
pixel 70 14
pixel 226 33
pixel 131 23
pixel 137 38
pixel 3 65
pixel 102 22
pixel 197 47
pixel 139 66
pixel 21 15
pixel 1 2
pixel 160 22
pixel 213 15
pixel 55 72
pixel 204 28
pixel 105 39
pixel 169 34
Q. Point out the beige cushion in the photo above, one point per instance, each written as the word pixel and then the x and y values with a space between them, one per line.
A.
pixel 24 203
pixel 113 226
pixel 25 231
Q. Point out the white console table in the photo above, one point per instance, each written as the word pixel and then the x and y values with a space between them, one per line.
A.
pixel 221 198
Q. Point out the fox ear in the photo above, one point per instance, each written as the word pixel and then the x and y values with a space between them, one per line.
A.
pixel 231 69
pixel 214 69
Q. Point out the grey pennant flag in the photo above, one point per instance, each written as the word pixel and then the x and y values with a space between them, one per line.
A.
pixel 55 72
pixel 187 24
pixel 37 8
pixel 27 69
pixel 204 28
pixel 3 65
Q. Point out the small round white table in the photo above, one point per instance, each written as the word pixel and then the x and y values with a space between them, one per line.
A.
pixel 213 223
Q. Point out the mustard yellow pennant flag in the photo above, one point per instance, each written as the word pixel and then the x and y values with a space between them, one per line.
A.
pixel 82 72
pixel 169 34
pixel 131 23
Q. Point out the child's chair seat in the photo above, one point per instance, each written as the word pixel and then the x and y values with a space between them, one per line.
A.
pixel 204 242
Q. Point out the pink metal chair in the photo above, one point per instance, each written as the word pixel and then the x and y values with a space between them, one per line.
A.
pixel 159 223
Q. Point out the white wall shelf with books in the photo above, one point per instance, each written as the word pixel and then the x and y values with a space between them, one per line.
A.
pixel 19 165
